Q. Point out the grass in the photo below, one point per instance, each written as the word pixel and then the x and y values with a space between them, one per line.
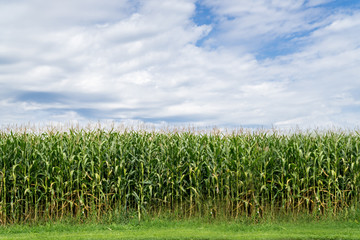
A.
pixel 190 229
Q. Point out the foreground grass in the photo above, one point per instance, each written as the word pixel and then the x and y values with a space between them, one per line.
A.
pixel 190 229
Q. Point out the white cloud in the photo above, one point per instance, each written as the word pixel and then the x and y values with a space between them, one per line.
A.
pixel 250 25
pixel 138 60
pixel 313 3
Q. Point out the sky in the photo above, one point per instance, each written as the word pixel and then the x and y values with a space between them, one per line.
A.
pixel 230 63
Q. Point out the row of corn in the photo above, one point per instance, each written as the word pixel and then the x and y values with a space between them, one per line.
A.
pixel 91 173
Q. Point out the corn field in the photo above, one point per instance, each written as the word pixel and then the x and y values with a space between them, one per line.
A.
pixel 91 173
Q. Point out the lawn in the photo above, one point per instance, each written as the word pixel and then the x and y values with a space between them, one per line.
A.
pixel 190 229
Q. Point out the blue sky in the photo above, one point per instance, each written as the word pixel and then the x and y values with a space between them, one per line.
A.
pixel 227 63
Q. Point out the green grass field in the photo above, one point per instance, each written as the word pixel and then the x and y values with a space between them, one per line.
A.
pixel 192 229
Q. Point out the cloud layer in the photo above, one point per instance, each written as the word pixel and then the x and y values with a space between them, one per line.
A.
pixel 258 63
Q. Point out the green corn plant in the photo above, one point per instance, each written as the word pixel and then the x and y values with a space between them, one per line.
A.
pixel 91 173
